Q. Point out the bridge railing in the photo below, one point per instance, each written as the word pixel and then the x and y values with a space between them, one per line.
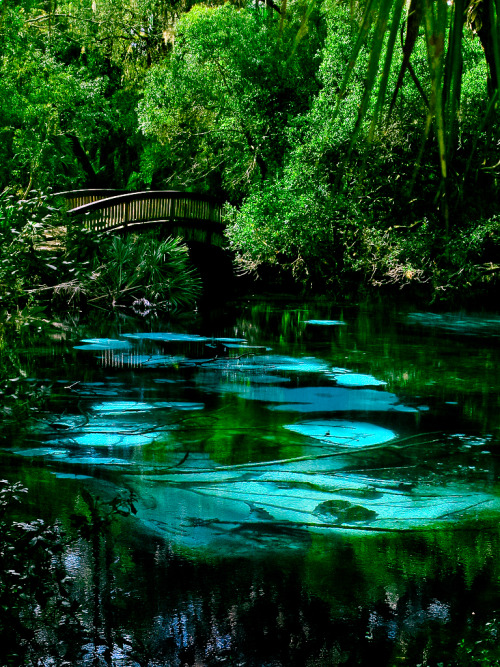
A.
pixel 75 198
pixel 136 208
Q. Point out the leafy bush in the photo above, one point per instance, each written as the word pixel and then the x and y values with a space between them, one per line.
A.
pixel 145 271
pixel 342 210
pixel 25 225
pixel 297 226
pixel 226 94
pixel 38 617
pixel 85 267
pixel 461 266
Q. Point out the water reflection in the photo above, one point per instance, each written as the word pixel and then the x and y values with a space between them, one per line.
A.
pixel 310 483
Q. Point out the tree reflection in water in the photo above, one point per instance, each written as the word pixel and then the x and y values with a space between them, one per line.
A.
pixel 308 493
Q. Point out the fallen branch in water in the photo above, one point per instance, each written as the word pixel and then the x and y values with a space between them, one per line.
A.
pixel 260 526
pixel 312 457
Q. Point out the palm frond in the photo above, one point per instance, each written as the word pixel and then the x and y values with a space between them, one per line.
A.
pixel 443 33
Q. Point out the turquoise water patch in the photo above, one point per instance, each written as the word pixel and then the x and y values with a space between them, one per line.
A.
pixel 98 389
pixel 343 433
pixel 113 439
pixel 43 451
pixel 106 461
pixel 101 344
pixel 357 380
pixel 308 399
pixel 276 362
pixel 239 512
pixel 295 365
pixel 165 381
pixel 68 475
pixel 120 407
pixel 128 407
pixel 326 323
pixel 168 337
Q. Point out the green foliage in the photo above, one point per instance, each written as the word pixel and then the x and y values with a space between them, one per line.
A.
pixel 480 646
pixel 458 269
pixel 144 271
pixel 43 620
pixel 297 225
pixel 24 224
pixel 344 210
pixel 297 220
pixel 63 107
pixel 440 27
pixel 225 96
pixel 330 128
pixel 470 264
pixel 84 267
pixel 38 617
pixel 53 105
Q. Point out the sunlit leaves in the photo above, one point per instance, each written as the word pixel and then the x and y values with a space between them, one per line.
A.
pixel 46 102
pixel 225 96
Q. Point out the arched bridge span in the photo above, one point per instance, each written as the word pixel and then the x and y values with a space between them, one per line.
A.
pixel 190 215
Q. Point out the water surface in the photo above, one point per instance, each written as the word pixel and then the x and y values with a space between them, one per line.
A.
pixel 313 483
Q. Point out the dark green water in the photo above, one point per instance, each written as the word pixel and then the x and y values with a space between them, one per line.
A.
pixel 315 485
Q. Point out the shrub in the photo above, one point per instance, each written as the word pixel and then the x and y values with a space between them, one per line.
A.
pixel 145 271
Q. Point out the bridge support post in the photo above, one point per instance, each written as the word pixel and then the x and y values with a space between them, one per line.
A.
pixel 126 217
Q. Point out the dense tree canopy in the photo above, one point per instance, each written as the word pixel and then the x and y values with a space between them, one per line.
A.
pixel 356 143
pixel 222 103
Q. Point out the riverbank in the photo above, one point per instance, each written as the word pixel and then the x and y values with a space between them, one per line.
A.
pixel 146 272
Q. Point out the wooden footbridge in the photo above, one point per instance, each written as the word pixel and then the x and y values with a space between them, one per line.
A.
pixel 193 216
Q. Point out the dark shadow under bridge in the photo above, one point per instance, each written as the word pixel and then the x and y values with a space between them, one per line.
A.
pixel 195 217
